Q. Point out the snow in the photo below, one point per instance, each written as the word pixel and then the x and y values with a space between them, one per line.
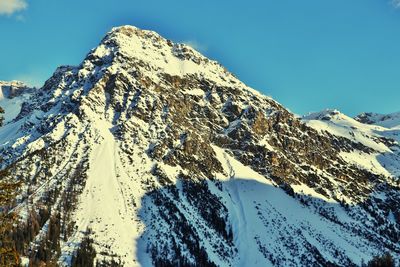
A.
pixel 342 125
pixel 264 142
pixel 264 215
pixel 12 96
pixel 106 205
pixel 305 190
pixel 24 261
pixel 384 159
pixel 197 91
pixel 385 120
pixel 9 132
pixel 366 161
pixel 11 107
pixel 148 46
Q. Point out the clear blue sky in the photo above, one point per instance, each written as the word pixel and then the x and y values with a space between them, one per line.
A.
pixel 308 55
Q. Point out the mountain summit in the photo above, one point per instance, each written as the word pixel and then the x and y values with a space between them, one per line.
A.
pixel 150 154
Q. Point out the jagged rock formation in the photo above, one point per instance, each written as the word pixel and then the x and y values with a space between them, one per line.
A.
pixel 148 153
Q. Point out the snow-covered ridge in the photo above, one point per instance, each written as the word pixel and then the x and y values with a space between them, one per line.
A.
pixel 375 131
pixel 385 120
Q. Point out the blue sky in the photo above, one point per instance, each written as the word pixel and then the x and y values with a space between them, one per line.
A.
pixel 308 55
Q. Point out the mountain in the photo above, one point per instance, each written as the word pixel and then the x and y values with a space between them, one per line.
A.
pixel 150 154
pixel 388 120
pixel 384 154
pixel 12 95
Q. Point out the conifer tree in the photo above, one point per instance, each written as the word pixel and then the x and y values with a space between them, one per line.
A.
pixel 385 260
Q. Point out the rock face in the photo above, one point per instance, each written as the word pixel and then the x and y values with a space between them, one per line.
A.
pixel 150 154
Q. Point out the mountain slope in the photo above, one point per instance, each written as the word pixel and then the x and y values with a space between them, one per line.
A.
pixel 384 155
pixel 156 155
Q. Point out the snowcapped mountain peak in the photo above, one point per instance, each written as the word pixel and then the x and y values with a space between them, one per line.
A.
pixel 327 114
pixel 128 47
pixel 150 154
pixel 124 36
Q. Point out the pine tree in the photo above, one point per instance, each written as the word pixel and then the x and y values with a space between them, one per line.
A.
pixel 85 254
pixel 385 260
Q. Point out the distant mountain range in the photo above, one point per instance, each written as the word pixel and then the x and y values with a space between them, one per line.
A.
pixel 150 154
